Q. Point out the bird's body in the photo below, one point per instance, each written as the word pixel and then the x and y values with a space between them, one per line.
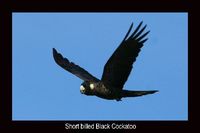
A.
pixel 99 89
pixel 116 70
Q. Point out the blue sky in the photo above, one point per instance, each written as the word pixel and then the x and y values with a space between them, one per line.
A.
pixel 44 91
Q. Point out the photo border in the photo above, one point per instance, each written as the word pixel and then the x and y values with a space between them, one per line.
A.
pixel 21 6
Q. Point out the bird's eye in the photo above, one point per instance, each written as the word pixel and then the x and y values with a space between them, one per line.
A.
pixel 91 86
pixel 82 89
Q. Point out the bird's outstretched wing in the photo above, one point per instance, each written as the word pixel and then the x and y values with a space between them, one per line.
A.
pixel 119 65
pixel 72 68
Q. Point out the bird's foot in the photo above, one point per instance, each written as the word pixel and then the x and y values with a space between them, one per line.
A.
pixel 119 99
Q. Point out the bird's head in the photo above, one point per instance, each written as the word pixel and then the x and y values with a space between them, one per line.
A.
pixel 87 88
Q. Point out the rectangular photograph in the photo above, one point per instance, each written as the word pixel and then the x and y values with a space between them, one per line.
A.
pixel 100 66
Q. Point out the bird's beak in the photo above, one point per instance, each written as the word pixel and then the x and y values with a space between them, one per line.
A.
pixel 82 89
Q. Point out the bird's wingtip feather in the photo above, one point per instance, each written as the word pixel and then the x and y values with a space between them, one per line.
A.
pixel 54 50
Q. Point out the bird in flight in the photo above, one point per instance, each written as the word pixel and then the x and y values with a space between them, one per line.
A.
pixel 116 70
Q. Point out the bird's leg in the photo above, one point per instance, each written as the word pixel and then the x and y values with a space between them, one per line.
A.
pixel 118 99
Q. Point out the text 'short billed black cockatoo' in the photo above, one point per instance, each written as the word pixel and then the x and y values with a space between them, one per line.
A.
pixel 116 70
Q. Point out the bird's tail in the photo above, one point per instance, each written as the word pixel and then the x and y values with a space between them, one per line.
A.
pixel 127 93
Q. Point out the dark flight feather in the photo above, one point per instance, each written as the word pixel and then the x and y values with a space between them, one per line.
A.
pixel 128 93
pixel 73 68
pixel 119 65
